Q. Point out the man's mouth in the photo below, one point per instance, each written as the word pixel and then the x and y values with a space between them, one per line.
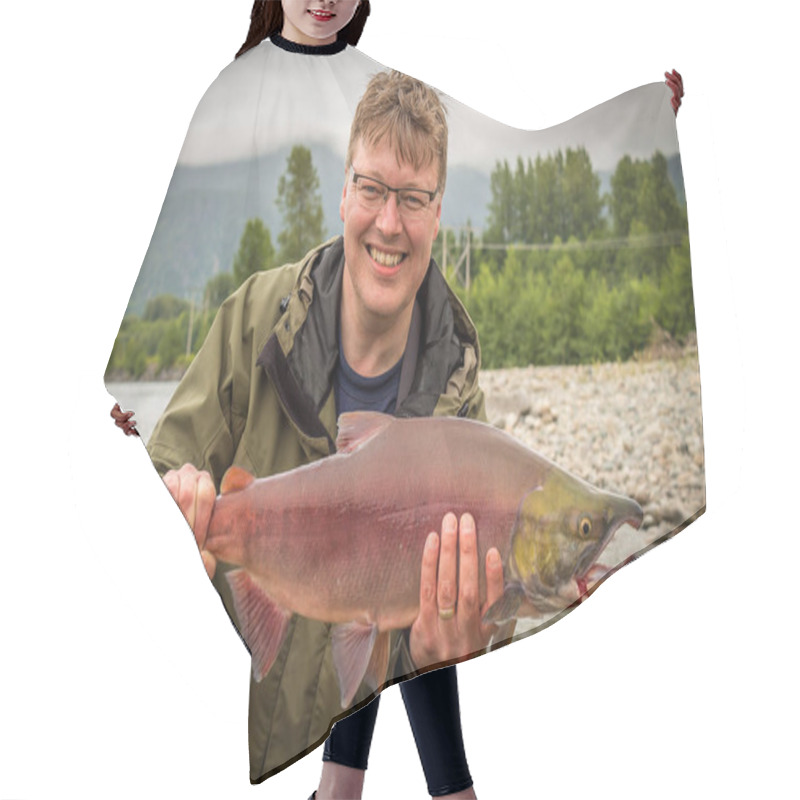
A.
pixel 383 258
pixel 322 16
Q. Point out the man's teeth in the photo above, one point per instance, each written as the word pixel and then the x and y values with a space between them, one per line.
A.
pixel 386 259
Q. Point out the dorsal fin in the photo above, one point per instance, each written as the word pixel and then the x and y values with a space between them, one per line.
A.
pixel 356 428
pixel 235 479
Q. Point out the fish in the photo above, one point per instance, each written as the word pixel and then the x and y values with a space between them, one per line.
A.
pixel 340 540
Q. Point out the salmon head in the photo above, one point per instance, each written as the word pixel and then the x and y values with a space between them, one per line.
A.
pixel 562 527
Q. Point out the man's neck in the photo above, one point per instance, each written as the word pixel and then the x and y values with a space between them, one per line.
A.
pixel 372 345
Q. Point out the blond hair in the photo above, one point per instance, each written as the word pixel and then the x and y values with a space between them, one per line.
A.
pixel 410 114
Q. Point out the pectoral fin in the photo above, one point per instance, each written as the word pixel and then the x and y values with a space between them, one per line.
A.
pixel 352 645
pixel 506 608
pixel 262 621
pixel 235 479
pixel 503 636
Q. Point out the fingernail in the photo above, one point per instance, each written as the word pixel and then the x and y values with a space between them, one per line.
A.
pixel 494 558
pixel 467 523
pixel 450 523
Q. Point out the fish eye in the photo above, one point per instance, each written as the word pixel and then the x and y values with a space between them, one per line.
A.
pixel 585 527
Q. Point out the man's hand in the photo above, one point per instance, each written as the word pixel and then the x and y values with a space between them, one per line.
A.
pixel 194 492
pixel 124 420
pixel 675 82
pixel 449 622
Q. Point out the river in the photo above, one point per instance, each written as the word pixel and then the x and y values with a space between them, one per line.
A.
pixel 147 398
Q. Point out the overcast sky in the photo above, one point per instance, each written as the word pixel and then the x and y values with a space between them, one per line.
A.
pixel 270 98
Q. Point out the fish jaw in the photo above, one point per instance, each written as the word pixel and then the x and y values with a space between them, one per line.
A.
pixel 620 511
pixel 561 530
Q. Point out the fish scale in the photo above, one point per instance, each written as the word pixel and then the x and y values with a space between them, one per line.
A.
pixel 341 540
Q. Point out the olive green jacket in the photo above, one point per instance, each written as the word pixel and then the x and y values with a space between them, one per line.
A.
pixel 259 396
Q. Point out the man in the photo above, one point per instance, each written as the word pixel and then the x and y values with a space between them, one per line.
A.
pixel 363 321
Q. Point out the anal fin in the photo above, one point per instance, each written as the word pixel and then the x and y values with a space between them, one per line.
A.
pixel 262 621
pixel 378 661
pixel 352 646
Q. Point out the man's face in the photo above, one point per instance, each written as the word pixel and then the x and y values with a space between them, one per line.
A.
pixel 387 253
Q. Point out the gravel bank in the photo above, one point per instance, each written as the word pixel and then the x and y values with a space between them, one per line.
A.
pixel 634 428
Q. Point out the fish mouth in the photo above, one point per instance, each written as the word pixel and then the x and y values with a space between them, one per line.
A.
pixel 590 579
pixel 386 258
pixel 590 572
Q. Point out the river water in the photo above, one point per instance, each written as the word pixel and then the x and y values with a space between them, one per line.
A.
pixel 147 398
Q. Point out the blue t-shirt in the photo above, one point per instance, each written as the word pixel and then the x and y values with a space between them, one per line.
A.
pixel 354 392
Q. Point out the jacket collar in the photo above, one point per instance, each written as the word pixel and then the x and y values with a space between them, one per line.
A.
pixel 300 356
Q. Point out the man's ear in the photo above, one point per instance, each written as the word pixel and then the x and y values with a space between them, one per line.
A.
pixel 438 219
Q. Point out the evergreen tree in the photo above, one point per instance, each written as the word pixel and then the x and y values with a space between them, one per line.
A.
pixel 500 225
pixel 624 195
pixel 557 196
pixel 581 196
pixel 300 203
pixel 642 191
pixel 218 288
pixel 164 306
pixel 255 251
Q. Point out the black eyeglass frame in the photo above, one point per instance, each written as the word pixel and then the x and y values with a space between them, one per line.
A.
pixel 354 176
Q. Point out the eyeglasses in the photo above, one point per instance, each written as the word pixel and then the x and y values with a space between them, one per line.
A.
pixel 374 194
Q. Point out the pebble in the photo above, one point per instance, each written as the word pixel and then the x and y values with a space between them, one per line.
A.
pixel 635 428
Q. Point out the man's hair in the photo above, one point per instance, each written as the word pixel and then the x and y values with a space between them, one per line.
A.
pixel 409 115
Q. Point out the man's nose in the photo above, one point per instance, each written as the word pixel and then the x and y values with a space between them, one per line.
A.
pixel 388 221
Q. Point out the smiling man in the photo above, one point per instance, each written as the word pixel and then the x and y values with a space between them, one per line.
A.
pixel 363 322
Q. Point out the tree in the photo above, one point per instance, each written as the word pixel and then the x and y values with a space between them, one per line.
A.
pixel 557 196
pixel 164 306
pixel 500 228
pixel 643 191
pixel 581 195
pixel 300 203
pixel 624 195
pixel 218 288
pixel 255 252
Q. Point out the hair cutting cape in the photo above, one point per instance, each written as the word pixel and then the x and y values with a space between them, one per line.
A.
pixel 568 247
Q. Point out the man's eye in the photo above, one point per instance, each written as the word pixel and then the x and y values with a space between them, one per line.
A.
pixel 371 190
pixel 413 202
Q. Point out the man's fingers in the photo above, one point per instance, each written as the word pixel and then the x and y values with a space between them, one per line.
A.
pixel 427 619
pixel 209 562
pixel 468 575
pixel 195 494
pixel 494 577
pixel 448 560
pixel 186 496
pixel 205 496
pixel 172 481
pixel 427 583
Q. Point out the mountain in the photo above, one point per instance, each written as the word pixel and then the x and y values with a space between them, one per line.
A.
pixel 206 208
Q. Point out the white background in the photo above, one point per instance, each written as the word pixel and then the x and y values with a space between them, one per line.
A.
pixel 119 674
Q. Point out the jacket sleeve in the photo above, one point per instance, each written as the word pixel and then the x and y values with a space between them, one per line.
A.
pixel 200 425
